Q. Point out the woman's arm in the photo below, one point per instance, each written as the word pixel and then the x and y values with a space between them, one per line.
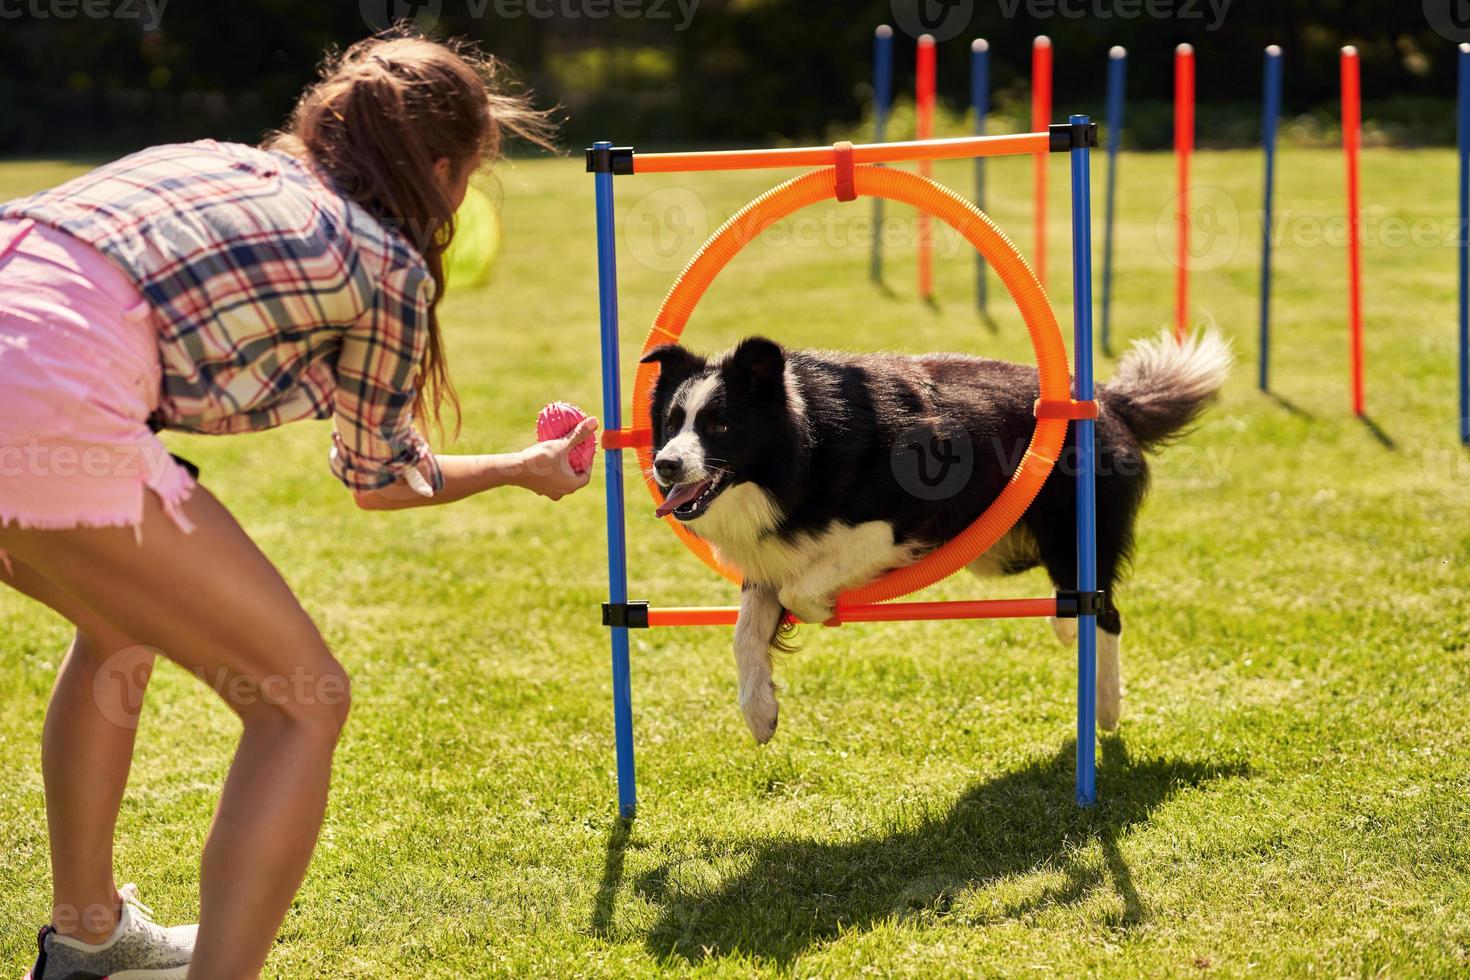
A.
pixel 542 468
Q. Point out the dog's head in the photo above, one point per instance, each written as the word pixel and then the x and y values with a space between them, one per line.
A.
pixel 716 422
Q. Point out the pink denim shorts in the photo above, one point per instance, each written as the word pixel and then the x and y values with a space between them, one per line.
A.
pixel 79 376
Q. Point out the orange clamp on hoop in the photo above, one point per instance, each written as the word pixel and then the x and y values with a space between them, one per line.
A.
pixel 844 178
pixel 627 439
pixel 1068 409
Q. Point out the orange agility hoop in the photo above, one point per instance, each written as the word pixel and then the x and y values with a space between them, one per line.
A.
pixel 1026 291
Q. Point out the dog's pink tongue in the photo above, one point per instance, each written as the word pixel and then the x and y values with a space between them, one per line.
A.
pixel 681 496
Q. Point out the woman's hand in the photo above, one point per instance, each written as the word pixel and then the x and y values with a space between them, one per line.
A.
pixel 543 468
pixel 547 470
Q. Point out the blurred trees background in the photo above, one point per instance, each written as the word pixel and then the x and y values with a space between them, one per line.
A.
pixel 653 72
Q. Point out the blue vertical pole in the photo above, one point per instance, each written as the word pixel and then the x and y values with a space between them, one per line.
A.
pixel 1464 134
pixel 617 547
pixel 1086 504
pixel 882 103
pixel 1117 75
pixel 980 100
pixel 1270 113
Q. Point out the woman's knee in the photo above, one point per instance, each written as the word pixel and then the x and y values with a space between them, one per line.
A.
pixel 314 696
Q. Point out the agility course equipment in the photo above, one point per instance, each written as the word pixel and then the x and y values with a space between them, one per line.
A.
pixel 1463 134
pixel 980 104
pixel 1352 124
pixel 882 106
pixel 924 85
pixel 1117 78
pixel 1040 120
pixel 1183 146
pixel 844 173
pixel 1270 114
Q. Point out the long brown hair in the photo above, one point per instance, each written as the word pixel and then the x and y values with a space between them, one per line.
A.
pixel 379 116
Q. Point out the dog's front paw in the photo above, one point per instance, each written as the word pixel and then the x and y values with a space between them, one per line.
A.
pixel 808 609
pixel 760 708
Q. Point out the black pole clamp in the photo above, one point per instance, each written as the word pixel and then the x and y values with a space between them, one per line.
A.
pixel 632 615
pixel 1071 604
pixel 611 160
pixel 1071 136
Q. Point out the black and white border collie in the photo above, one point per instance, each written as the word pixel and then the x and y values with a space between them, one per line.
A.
pixel 813 472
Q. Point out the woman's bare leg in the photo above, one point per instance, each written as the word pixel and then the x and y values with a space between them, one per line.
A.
pixel 213 603
pixel 86 751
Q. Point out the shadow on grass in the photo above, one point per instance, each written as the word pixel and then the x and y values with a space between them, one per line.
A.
pixel 1376 431
pixel 794 894
pixel 612 876
pixel 1290 406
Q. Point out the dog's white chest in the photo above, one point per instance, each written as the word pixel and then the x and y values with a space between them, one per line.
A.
pixel 739 525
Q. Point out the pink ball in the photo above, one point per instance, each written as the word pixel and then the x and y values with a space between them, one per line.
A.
pixel 555 421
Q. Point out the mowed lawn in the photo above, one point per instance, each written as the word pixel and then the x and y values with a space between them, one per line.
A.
pixel 1289 791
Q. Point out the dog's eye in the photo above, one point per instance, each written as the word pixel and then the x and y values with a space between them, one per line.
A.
pixel 716 428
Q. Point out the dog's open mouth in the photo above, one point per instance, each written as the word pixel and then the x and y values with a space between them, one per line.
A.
pixel 689 500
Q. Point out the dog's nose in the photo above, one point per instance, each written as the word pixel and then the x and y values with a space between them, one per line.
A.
pixel 667 469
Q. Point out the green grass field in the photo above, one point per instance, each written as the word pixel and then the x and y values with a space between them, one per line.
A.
pixel 1288 794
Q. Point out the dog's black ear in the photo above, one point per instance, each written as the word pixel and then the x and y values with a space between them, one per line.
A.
pixel 759 363
pixel 673 360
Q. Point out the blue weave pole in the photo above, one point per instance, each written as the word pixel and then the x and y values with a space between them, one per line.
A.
pixel 980 101
pixel 882 105
pixel 617 545
pixel 1464 246
pixel 1117 75
pixel 1270 113
pixel 1086 503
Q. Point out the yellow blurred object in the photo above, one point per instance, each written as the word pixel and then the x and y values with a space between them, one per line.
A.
pixel 471 255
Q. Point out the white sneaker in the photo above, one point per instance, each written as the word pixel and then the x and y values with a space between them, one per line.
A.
pixel 138 949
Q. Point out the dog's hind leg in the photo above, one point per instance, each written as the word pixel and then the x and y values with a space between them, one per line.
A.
pixel 755 629
pixel 1060 557
pixel 1109 666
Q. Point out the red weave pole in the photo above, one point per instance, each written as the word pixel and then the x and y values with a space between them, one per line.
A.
pixel 1352 121
pixel 1183 146
pixel 1040 120
pixel 924 85
pixel 879 612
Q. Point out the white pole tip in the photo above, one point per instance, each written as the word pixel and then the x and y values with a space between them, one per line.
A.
pixel 1274 50
pixel 980 44
pixel 1465 48
pixel 1350 51
pixel 884 31
pixel 1042 41
pixel 1184 49
pixel 1116 52
pixel 926 40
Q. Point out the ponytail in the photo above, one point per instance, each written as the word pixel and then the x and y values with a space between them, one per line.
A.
pixel 381 115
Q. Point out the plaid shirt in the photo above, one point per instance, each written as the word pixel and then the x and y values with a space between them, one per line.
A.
pixel 275 298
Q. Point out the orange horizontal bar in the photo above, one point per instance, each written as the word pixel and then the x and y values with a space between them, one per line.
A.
pixel 627 438
pixel 877 612
pixel 963 147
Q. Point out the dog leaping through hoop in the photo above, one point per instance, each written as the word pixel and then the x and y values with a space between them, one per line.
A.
pixel 788 463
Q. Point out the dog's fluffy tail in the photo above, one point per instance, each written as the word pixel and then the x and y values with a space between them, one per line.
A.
pixel 1163 384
